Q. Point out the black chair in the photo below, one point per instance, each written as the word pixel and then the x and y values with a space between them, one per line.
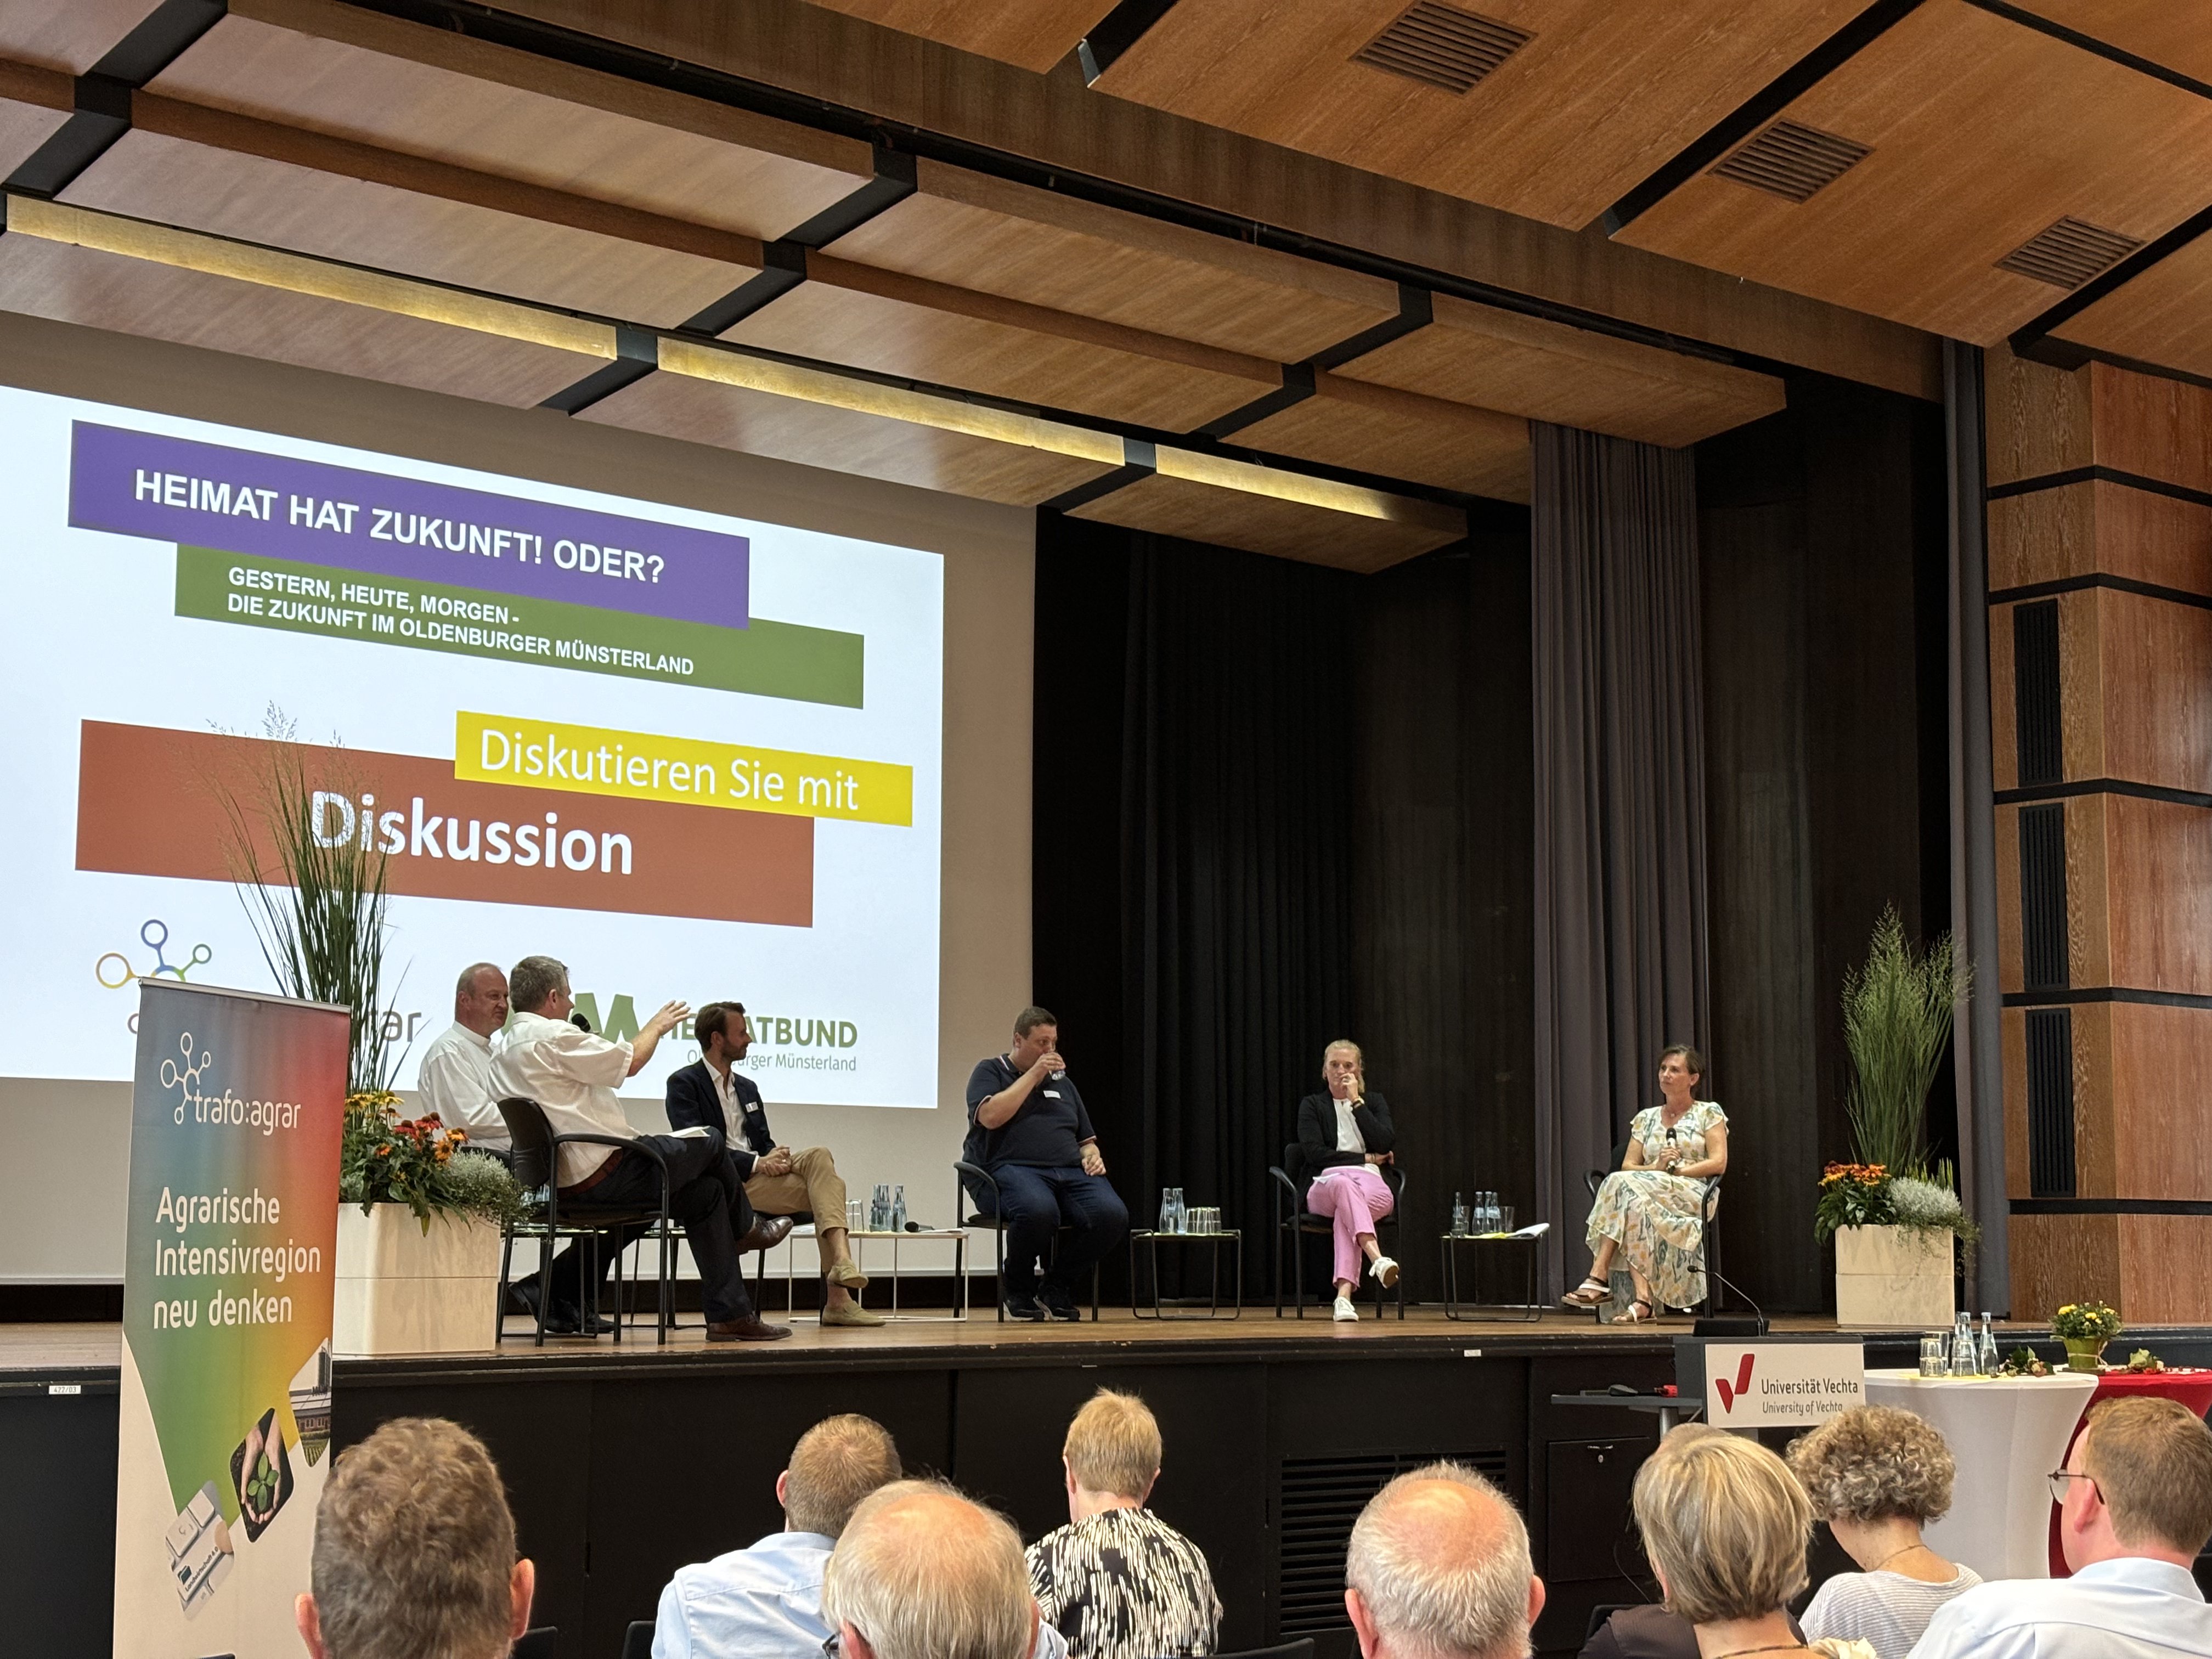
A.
pixel 542 1642
pixel 997 1228
pixel 637 1640
pixel 1709 1237
pixel 537 1160
pixel 1298 1224
pixel 1301 1649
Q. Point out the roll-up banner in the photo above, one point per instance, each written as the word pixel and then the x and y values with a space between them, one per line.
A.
pixel 237 1110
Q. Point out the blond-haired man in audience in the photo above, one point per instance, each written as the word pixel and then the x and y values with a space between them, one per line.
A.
pixel 1439 1569
pixel 1117 1582
pixel 415 1552
pixel 2134 1508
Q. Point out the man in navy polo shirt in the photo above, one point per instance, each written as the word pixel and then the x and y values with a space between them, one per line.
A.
pixel 1027 1126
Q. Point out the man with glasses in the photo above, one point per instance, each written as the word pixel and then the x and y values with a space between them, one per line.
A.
pixel 2134 1508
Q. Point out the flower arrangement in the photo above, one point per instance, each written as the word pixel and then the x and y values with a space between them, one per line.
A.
pixel 1868 1195
pixel 386 1159
pixel 2082 1322
pixel 2022 1362
pixel 2143 1363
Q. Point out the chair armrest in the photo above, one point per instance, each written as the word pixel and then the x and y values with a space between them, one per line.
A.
pixel 616 1141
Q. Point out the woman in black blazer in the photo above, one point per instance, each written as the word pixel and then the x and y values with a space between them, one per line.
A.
pixel 1346 1136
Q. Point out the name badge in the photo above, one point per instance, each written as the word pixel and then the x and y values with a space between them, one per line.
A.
pixel 1052 1094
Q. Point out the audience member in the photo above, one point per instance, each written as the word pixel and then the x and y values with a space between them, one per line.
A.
pixel 1876 1476
pixel 455 1077
pixel 2135 1509
pixel 765 1601
pixel 920 1572
pixel 1117 1582
pixel 414 1551
pixel 1438 1569
pixel 573 1075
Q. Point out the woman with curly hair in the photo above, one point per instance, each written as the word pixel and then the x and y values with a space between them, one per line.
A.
pixel 1876 1476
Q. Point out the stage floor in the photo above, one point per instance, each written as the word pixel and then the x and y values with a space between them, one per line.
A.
pixel 28 1352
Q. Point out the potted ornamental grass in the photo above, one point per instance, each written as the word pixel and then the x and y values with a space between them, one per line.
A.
pixel 416 1269
pixel 419 1233
pixel 1894 1214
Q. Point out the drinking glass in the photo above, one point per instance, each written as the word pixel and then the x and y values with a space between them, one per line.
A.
pixel 1506 1218
pixel 855 1212
pixel 1931 1357
pixel 1167 1210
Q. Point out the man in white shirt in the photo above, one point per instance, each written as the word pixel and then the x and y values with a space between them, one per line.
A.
pixel 573 1075
pixel 455 1075
pixel 2134 1508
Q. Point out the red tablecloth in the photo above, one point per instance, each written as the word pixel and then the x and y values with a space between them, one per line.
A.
pixel 2192 1387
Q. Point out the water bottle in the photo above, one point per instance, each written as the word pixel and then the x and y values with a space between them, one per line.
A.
pixel 1490 1211
pixel 1181 1214
pixel 879 1208
pixel 898 1209
pixel 1458 1215
pixel 1987 1353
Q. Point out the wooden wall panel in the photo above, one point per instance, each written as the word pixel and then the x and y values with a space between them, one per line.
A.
pixel 2152 426
pixel 71 37
pixel 104 290
pixel 841 441
pixel 2057 1259
pixel 2095 1098
pixel 342 70
pixel 1030 34
pixel 1374 428
pixel 2011 976
pixel 2004 721
pixel 1473 353
pixel 924 331
pixel 2037 420
pixel 1981 134
pixel 1290 530
pixel 2152 705
pixel 2081 687
pixel 2074 530
pixel 999 237
pixel 2159 1057
pixel 149 176
pixel 2162 1281
pixel 2092 956
pixel 2157 891
pixel 2012 1053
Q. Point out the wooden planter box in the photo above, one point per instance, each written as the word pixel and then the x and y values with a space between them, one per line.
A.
pixel 1885 1276
pixel 400 1290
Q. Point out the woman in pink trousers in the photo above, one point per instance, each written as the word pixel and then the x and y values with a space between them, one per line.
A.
pixel 1346 1137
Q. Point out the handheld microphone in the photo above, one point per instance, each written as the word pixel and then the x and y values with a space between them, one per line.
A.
pixel 583 1025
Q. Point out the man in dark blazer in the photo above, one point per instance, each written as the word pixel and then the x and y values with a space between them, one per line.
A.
pixel 711 1093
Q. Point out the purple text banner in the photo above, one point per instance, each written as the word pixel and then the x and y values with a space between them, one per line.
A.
pixel 173 490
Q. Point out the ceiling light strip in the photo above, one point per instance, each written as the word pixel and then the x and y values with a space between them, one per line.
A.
pixel 702 361
pixel 1253 479
pixel 296 273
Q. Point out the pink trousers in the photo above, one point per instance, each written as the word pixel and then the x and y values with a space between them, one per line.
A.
pixel 1352 1195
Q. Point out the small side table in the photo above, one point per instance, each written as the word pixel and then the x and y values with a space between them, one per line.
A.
pixel 1529 1311
pixel 956 1236
pixel 1211 1301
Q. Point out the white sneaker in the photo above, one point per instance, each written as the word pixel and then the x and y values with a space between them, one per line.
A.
pixel 1385 1271
pixel 1345 1310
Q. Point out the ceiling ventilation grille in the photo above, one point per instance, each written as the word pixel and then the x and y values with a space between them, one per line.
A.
pixel 1792 160
pixel 2070 253
pixel 1442 46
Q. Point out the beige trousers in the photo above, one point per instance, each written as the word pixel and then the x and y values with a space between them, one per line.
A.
pixel 813 1186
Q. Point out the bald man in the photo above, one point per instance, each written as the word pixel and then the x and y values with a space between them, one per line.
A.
pixel 1439 1569
pixel 921 1571
pixel 455 1077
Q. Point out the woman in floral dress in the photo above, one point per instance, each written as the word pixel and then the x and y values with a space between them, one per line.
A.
pixel 1653 1206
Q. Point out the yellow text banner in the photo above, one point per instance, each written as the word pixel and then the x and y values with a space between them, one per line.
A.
pixel 593 760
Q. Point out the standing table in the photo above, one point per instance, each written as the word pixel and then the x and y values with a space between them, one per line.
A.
pixel 1153 1239
pixel 2191 1385
pixel 2008 1433
pixel 1529 1311
pixel 955 1237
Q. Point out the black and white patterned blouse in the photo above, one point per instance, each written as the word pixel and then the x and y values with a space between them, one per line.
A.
pixel 1124 1584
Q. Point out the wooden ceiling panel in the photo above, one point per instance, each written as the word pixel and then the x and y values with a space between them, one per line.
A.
pixel 1031 35
pixel 72 285
pixel 842 439
pixel 1596 100
pixel 1982 134
pixel 2163 316
pixel 149 176
pixel 891 324
pixel 1377 429
pixel 349 73
pixel 2177 33
pixel 70 37
pixel 1045 249
pixel 1285 529
pixel 1546 371
pixel 23 127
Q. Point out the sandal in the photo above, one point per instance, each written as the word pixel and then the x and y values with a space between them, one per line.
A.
pixel 1628 1316
pixel 1588 1294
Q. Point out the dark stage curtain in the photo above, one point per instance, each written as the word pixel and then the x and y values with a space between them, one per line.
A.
pixel 1620 860
pixel 1279 804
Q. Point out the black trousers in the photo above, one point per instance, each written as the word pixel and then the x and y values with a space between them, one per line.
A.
pixel 704 1194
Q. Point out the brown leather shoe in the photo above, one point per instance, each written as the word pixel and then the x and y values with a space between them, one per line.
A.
pixel 768 1231
pixel 755 1329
